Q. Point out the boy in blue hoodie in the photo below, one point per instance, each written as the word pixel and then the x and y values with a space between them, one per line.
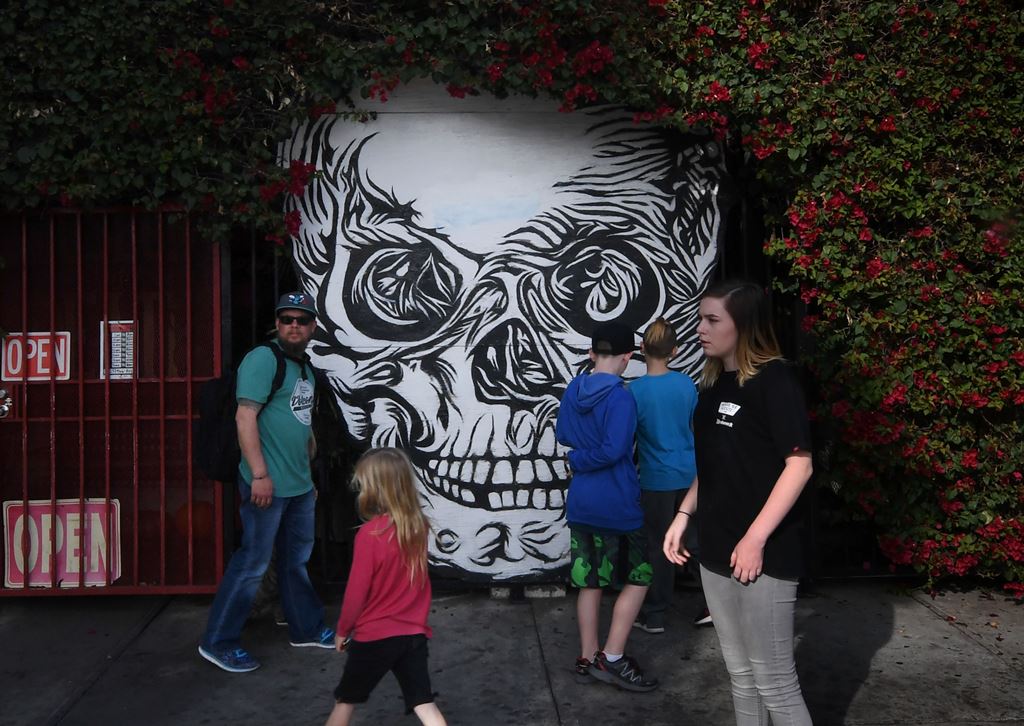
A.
pixel 597 421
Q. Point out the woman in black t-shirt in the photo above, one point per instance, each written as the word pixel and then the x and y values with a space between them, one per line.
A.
pixel 753 459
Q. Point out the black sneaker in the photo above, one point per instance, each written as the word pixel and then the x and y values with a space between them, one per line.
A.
pixel 703 618
pixel 582 670
pixel 624 673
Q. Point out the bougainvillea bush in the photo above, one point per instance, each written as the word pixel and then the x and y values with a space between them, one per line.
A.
pixel 886 139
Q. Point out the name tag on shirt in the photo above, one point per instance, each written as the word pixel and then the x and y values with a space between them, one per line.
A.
pixel 726 410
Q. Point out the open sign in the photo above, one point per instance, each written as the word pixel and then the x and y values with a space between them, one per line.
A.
pixel 67 541
pixel 37 357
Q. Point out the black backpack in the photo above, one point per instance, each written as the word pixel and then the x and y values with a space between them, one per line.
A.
pixel 337 451
pixel 215 435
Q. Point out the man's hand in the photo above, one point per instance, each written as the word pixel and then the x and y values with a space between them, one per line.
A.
pixel 262 492
pixel 340 643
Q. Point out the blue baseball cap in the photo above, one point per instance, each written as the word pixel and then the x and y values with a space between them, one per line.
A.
pixel 296 301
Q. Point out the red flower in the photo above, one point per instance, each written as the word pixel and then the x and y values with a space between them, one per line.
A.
pixel 269 191
pixel 241 63
pixel 592 59
pixel 974 400
pixel 875 267
pixel 495 71
pixel 888 124
pixel 217 30
pixel 293 222
pixel 995 242
pixel 717 92
pixel 703 31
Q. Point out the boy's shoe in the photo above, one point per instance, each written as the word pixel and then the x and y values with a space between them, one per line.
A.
pixel 234 660
pixel 653 627
pixel 582 670
pixel 324 640
pixel 703 618
pixel 624 673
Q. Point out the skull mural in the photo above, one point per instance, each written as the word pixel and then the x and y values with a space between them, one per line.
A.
pixel 460 261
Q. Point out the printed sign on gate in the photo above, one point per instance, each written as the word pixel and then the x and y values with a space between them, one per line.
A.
pixel 37 356
pixel 80 542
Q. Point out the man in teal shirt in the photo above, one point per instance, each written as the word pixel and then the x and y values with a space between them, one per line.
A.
pixel 278 499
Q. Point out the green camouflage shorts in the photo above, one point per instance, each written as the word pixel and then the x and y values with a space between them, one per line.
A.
pixel 599 560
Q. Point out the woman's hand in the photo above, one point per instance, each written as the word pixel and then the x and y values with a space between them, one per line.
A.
pixel 747 559
pixel 674 538
pixel 340 642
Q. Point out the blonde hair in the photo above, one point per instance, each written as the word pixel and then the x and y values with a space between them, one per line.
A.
pixel 386 484
pixel 660 340
pixel 756 344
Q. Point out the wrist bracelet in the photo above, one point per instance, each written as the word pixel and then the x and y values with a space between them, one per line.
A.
pixel 680 511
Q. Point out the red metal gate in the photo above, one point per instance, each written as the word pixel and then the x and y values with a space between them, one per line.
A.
pixel 111 321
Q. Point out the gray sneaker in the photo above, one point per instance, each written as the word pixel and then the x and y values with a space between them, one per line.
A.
pixel 654 627
pixel 624 673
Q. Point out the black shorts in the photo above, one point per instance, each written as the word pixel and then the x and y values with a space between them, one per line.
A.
pixel 609 558
pixel 404 655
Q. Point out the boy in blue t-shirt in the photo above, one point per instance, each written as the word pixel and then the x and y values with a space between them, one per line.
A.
pixel 665 401
pixel 597 420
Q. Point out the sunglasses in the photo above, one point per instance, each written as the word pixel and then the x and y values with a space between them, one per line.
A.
pixel 300 319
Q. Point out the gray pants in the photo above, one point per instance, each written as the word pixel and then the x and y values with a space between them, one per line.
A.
pixel 755 629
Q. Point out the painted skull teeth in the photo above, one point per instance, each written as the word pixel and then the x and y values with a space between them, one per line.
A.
pixel 498 484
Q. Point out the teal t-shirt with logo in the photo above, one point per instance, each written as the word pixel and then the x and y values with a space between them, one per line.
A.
pixel 285 423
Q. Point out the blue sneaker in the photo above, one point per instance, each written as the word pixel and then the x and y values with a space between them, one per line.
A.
pixel 235 660
pixel 324 640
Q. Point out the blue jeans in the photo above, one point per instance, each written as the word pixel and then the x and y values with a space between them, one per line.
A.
pixel 754 624
pixel 286 524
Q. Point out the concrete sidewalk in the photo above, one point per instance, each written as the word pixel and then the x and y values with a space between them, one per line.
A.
pixel 867 654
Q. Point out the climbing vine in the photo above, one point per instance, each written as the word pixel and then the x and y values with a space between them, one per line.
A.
pixel 886 138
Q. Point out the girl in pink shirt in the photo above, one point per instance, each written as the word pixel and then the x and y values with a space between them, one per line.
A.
pixel 383 622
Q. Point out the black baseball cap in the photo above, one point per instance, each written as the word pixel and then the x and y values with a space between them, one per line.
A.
pixel 612 339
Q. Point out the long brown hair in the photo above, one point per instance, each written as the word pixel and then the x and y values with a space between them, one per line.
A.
pixel 386 484
pixel 756 344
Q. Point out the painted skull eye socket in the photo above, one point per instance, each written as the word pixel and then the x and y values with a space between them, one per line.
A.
pixel 597 281
pixel 400 293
